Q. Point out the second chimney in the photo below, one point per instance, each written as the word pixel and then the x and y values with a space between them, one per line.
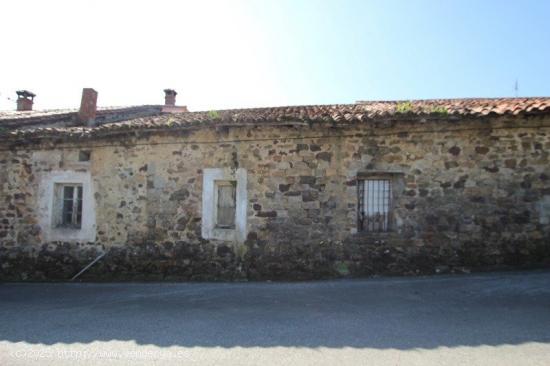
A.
pixel 25 100
pixel 88 107
pixel 170 97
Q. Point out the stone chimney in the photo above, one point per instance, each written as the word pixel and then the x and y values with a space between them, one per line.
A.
pixel 88 107
pixel 25 99
pixel 170 103
pixel 170 97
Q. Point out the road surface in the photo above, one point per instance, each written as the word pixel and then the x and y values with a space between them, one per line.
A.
pixel 489 319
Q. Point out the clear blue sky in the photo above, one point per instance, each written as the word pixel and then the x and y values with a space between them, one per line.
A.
pixel 247 53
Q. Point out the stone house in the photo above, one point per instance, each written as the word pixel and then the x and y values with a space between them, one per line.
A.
pixel 299 192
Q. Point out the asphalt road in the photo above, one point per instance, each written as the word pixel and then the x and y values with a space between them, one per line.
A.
pixel 491 319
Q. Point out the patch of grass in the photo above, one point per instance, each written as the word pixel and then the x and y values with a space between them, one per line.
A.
pixel 241 250
pixel 439 110
pixel 213 114
pixel 403 107
pixel 342 268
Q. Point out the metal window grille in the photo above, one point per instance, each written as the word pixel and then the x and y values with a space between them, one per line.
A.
pixel 374 205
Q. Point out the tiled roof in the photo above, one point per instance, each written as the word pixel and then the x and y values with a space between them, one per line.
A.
pixel 339 114
pixel 66 117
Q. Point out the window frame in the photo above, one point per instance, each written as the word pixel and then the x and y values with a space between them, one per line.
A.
pixel 217 185
pixel 49 210
pixel 209 229
pixel 76 210
pixel 362 178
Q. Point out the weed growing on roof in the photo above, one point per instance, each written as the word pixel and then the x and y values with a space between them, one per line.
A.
pixel 403 107
pixel 439 110
pixel 214 114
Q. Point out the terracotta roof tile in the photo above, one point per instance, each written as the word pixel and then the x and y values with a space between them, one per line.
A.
pixel 340 113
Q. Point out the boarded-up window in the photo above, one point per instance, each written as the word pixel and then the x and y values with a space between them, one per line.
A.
pixel 375 205
pixel 69 198
pixel 225 204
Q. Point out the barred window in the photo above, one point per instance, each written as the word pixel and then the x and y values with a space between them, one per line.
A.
pixel 374 205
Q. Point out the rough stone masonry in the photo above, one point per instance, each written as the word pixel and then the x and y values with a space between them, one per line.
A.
pixel 471 194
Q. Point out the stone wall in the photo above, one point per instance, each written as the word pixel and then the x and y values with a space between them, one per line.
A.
pixel 474 195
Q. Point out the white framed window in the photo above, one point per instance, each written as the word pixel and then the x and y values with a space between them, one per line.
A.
pixel 374 204
pixel 224 204
pixel 67 206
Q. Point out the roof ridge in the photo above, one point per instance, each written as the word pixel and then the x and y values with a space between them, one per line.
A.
pixel 452 99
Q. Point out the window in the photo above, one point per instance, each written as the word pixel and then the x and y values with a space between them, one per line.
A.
pixel 70 205
pixel 66 206
pixel 225 204
pixel 374 204
pixel 84 155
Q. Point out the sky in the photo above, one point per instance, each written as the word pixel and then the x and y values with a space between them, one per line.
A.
pixel 253 53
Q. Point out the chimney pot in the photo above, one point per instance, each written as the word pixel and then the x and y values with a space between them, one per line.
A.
pixel 25 100
pixel 170 97
pixel 88 107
